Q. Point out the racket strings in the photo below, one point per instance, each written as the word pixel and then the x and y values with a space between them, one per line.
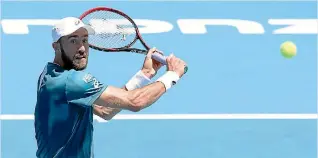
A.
pixel 112 30
pixel 107 33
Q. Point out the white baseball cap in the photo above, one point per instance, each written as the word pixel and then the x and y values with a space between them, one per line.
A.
pixel 67 26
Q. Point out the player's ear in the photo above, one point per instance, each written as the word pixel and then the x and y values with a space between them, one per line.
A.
pixel 56 46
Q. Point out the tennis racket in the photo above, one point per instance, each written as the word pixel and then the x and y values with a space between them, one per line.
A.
pixel 116 32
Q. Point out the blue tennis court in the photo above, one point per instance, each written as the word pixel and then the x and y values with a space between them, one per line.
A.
pixel 235 69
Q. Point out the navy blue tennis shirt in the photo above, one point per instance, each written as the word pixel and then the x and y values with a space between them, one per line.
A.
pixel 64 112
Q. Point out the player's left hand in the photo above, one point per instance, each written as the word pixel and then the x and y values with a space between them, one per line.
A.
pixel 151 66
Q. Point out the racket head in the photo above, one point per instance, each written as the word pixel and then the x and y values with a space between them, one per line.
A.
pixel 114 30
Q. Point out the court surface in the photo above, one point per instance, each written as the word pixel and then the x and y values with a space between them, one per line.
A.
pixel 235 75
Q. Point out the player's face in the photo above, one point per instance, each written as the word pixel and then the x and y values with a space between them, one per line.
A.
pixel 75 50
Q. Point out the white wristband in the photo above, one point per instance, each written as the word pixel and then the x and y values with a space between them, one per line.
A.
pixel 137 81
pixel 169 79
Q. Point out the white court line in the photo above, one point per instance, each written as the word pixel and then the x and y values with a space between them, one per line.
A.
pixel 317 75
pixel 160 0
pixel 182 116
pixel 0 79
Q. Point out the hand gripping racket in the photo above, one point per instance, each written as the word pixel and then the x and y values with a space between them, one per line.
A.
pixel 116 32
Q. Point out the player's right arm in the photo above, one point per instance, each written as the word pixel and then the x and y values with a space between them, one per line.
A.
pixel 140 98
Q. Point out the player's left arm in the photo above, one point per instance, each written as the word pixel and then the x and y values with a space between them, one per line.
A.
pixel 106 113
pixel 140 79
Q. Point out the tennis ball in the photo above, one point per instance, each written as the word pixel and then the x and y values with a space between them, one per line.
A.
pixel 288 49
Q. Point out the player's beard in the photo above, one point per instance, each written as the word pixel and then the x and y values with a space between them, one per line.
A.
pixel 75 64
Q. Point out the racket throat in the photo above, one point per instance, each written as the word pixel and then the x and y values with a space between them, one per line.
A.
pixel 139 51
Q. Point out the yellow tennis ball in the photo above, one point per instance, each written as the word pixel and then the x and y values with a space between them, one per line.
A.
pixel 288 49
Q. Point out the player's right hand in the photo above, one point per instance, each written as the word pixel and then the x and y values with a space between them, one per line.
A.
pixel 175 64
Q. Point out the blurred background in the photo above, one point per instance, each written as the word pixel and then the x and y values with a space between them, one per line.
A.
pixel 232 70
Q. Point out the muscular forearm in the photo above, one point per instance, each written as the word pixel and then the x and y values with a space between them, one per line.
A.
pixel 133 100
pixel 137 99
pixel 144 97
pixel 106 113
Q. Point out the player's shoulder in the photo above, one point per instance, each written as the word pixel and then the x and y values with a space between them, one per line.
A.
pixel 80 76
pixel 83 79
pixel 73 74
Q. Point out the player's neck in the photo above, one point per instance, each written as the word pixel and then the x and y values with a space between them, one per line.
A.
pixel 58 61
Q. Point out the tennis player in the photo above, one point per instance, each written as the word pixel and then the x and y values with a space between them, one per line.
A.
pixel 68 97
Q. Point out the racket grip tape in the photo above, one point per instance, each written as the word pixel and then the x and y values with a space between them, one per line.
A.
pixel 163 60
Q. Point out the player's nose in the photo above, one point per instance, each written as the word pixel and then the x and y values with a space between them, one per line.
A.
pixel 81 50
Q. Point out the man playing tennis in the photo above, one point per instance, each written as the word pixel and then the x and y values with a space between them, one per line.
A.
pixel 67 96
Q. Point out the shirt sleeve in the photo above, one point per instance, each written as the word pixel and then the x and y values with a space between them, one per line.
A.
pixel 83 89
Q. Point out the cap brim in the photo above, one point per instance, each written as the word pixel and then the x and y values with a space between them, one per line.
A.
pixel 89 29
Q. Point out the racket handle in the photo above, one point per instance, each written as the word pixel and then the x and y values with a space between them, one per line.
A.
pixel 163 60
